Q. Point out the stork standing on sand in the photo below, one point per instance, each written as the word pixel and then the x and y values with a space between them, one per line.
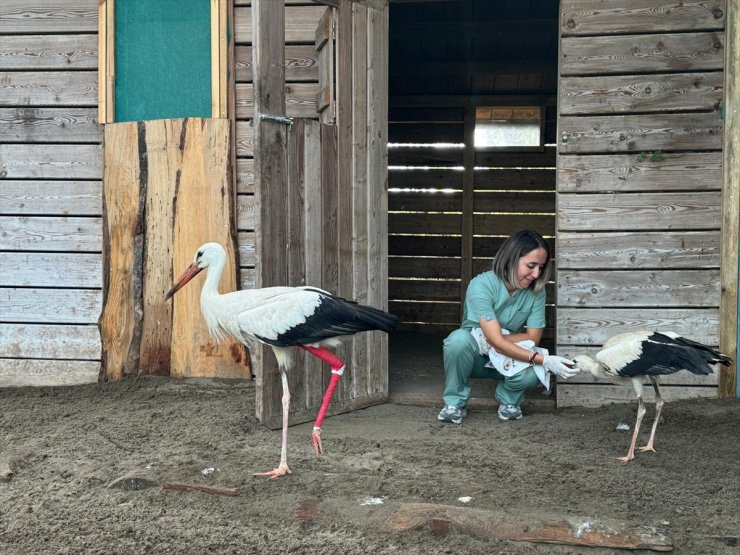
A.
pixel 631 357
pixel 282 317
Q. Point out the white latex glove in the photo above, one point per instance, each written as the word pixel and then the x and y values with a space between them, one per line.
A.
pixel 557 365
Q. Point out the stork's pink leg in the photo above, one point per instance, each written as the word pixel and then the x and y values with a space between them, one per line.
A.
pixel 640 413
pixel 282 468
pixel 337 369
pixel 659 402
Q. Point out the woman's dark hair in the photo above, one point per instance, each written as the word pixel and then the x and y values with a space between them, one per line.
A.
pixel 516 246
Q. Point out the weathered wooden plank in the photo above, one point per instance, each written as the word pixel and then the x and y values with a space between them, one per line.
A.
pixel 602 288
pixel 326 50
pixel 246 216
pixel 244 141
pixel 414 132
pixel 614 250
pixel 300 63
pixel 410 156
pixel 674 171
pixel 49 88
pixel 642 53
pixel 248 280
pixel 593 326
pixel 426 312
pixel 515 179
pixel 58 306
pixel 49 52
pixel 300 99
pixel 424 290
pixel 534 159
pixel 27 269
pixel 300 23
pixel 597 395
pixel 423 267
pixel 419 245
pixel 447 224
pixel 47 373
pixel 412 114
pixel 35 161
pixel 247 248
pixel 584 17
pixel 619 94
pixel 639 211
pixel 245 175
pixel 503 224
pixel 46 16
pixel 51 234
pixel 49 125
pixel 487 246
pixel 635 133
pixel 49 341
pixel 425 179
pixel 514 202
pixel 433 201
pixel 66 198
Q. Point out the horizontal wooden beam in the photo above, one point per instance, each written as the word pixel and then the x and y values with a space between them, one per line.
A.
pixel 479 100
pixel 455 69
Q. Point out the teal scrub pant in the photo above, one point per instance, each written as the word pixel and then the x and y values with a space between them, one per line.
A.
pixel 463 361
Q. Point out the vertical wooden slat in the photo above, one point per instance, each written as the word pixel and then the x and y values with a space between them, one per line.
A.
pixel 106 61
pixel 466 258
pixel 324 44
pixel 361 366
pixel 219 58
pixel 270 176
pixel 728 337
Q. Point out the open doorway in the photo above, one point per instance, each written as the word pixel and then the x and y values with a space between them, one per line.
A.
pixel 460 71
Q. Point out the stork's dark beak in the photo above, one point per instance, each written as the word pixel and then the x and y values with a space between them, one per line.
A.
pixel 187 275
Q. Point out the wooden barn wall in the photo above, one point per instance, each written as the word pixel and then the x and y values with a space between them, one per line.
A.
pixel 335 206
pixel 50 193
pixel 431 220
pixel 639 180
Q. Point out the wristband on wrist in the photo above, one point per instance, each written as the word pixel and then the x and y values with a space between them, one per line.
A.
pixel 531 357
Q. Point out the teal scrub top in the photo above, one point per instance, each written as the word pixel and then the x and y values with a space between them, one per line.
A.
pixel 487 297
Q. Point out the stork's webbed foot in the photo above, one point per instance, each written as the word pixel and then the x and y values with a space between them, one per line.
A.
pixel 648 447
pixel 627 458
pixel 281 470
pixel 316 440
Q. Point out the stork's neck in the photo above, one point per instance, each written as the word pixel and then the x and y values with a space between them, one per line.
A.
pixel 213 278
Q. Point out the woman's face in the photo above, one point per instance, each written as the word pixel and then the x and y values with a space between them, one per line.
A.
pixel 530 267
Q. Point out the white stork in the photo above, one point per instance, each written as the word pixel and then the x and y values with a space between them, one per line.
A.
pixel 282 317
pixel 630 357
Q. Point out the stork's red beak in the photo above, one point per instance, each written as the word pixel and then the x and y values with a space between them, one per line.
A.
pixel 187 275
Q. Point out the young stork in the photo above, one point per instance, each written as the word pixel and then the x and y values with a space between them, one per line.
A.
pixel 630 357
pixel 282 317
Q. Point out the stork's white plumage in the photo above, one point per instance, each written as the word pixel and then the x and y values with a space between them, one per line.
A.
pixel 631 357
pixel 282 317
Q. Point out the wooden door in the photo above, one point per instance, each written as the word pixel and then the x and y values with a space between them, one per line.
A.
pixel 639 180
pixel 321 190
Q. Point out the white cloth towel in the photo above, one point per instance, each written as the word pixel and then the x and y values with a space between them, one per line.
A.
pixel 507 366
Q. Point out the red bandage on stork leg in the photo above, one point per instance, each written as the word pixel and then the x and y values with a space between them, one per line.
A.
pixel 337 369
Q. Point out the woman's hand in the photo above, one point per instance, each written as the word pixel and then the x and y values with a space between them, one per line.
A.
pixel 560 366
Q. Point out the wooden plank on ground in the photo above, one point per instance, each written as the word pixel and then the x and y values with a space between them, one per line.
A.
pixel 639 211
pixel 626 250
pixel 670 171
pixel 51 198
pixel 37 161
pixel 650 53
pixel 593 326
pixel 30 233
pixel 32 269
pixel 49 52
pixel 620 94
pixel 50 341
pixel 582 17
pixel 636 133
pixel 597 395
pixel 50 125
pixel 47 373
pixel 57 306
pixel 624 288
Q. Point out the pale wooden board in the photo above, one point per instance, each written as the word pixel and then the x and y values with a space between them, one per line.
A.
pixel 48 16
pixel 593 326
pixel 624 288
pixel 633 16
pixel 639 211
pixel 37 161
pixel 50 125
pixel 47 373
pixel 671 171
pixel 58 306
pixel 244 143
pixel 301 63
pixel 636 133
pixel 50 341
pixel 596 395
pixel 49 88
pixel 51 198
pixel 62 233
pixel 620 94
pixel 245 212
pixel 300 23
pixel 49 52
pixel 300 100
pixel 30 269
pixel 247 248
pixel 642 53
pixel 245 175
pixel 625 250
pixel 248 280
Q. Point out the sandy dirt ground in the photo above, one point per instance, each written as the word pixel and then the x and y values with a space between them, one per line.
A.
pixel 88 463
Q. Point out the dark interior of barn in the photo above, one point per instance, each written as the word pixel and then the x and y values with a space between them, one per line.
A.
pixel 472 131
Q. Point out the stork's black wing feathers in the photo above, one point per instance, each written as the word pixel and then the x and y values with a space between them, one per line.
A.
pixel 335 317
pixel 662 354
